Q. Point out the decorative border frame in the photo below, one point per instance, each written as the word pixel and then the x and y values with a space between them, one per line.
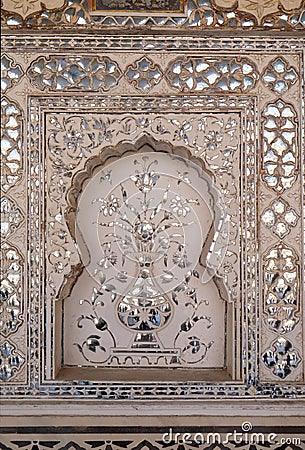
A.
pixel 37 108
pixel 264 390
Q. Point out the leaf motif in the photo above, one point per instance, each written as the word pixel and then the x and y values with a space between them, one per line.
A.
pixel 176 235
pixel 94 295
pixel 94 336
pixel 188 276
pixel 79 347
pixel 124 193
pixel 175 297
pixel 100 324
pixel 92 342
pixel 156 210
pixel 190 292
pixel 108 287
pixel 164 242
pixel 122 277
pixel 167 276
pixel 186 326
pixel 180 288
pixel 79 320
pixel 100 275
pixel 195 343
pixel 189 304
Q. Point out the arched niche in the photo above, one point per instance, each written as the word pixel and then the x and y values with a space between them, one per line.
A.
pixel 144 298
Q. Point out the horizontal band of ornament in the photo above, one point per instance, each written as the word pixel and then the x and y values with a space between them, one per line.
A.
pixel 73 73
pixel 171 14
pixel 222 74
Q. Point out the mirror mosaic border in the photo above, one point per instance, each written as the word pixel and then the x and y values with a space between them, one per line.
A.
pixel 26 99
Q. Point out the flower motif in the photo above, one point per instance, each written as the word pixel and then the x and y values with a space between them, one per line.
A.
pixel 11 216
pixel 145 181
pixel 258 7
pixel 280 147
pixel 280 218
pixel 10 72
pixel 11 143
pixel 181 260
pixel 73 137
pixel 109 260
pixel 279 76
pixel 180 206
pixel 281 357
pixel 143 74
pixel 11 360
pixel 108 206
pixel 64 73
pixel 26 7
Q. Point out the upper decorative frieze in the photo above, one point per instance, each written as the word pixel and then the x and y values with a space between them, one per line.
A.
pixel 171 14
pixel 199 74
pixel 60 73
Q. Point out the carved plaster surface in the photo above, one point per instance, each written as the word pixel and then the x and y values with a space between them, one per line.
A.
pixel 209 14
pixel 256 114
pixel 28 7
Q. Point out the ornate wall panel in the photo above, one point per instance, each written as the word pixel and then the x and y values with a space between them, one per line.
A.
pixel 77 103
pixel 261 173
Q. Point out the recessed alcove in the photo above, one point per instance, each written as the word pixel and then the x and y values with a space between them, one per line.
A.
pixel 149 301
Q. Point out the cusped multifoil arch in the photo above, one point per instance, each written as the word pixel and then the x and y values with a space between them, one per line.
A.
pixel 145 144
